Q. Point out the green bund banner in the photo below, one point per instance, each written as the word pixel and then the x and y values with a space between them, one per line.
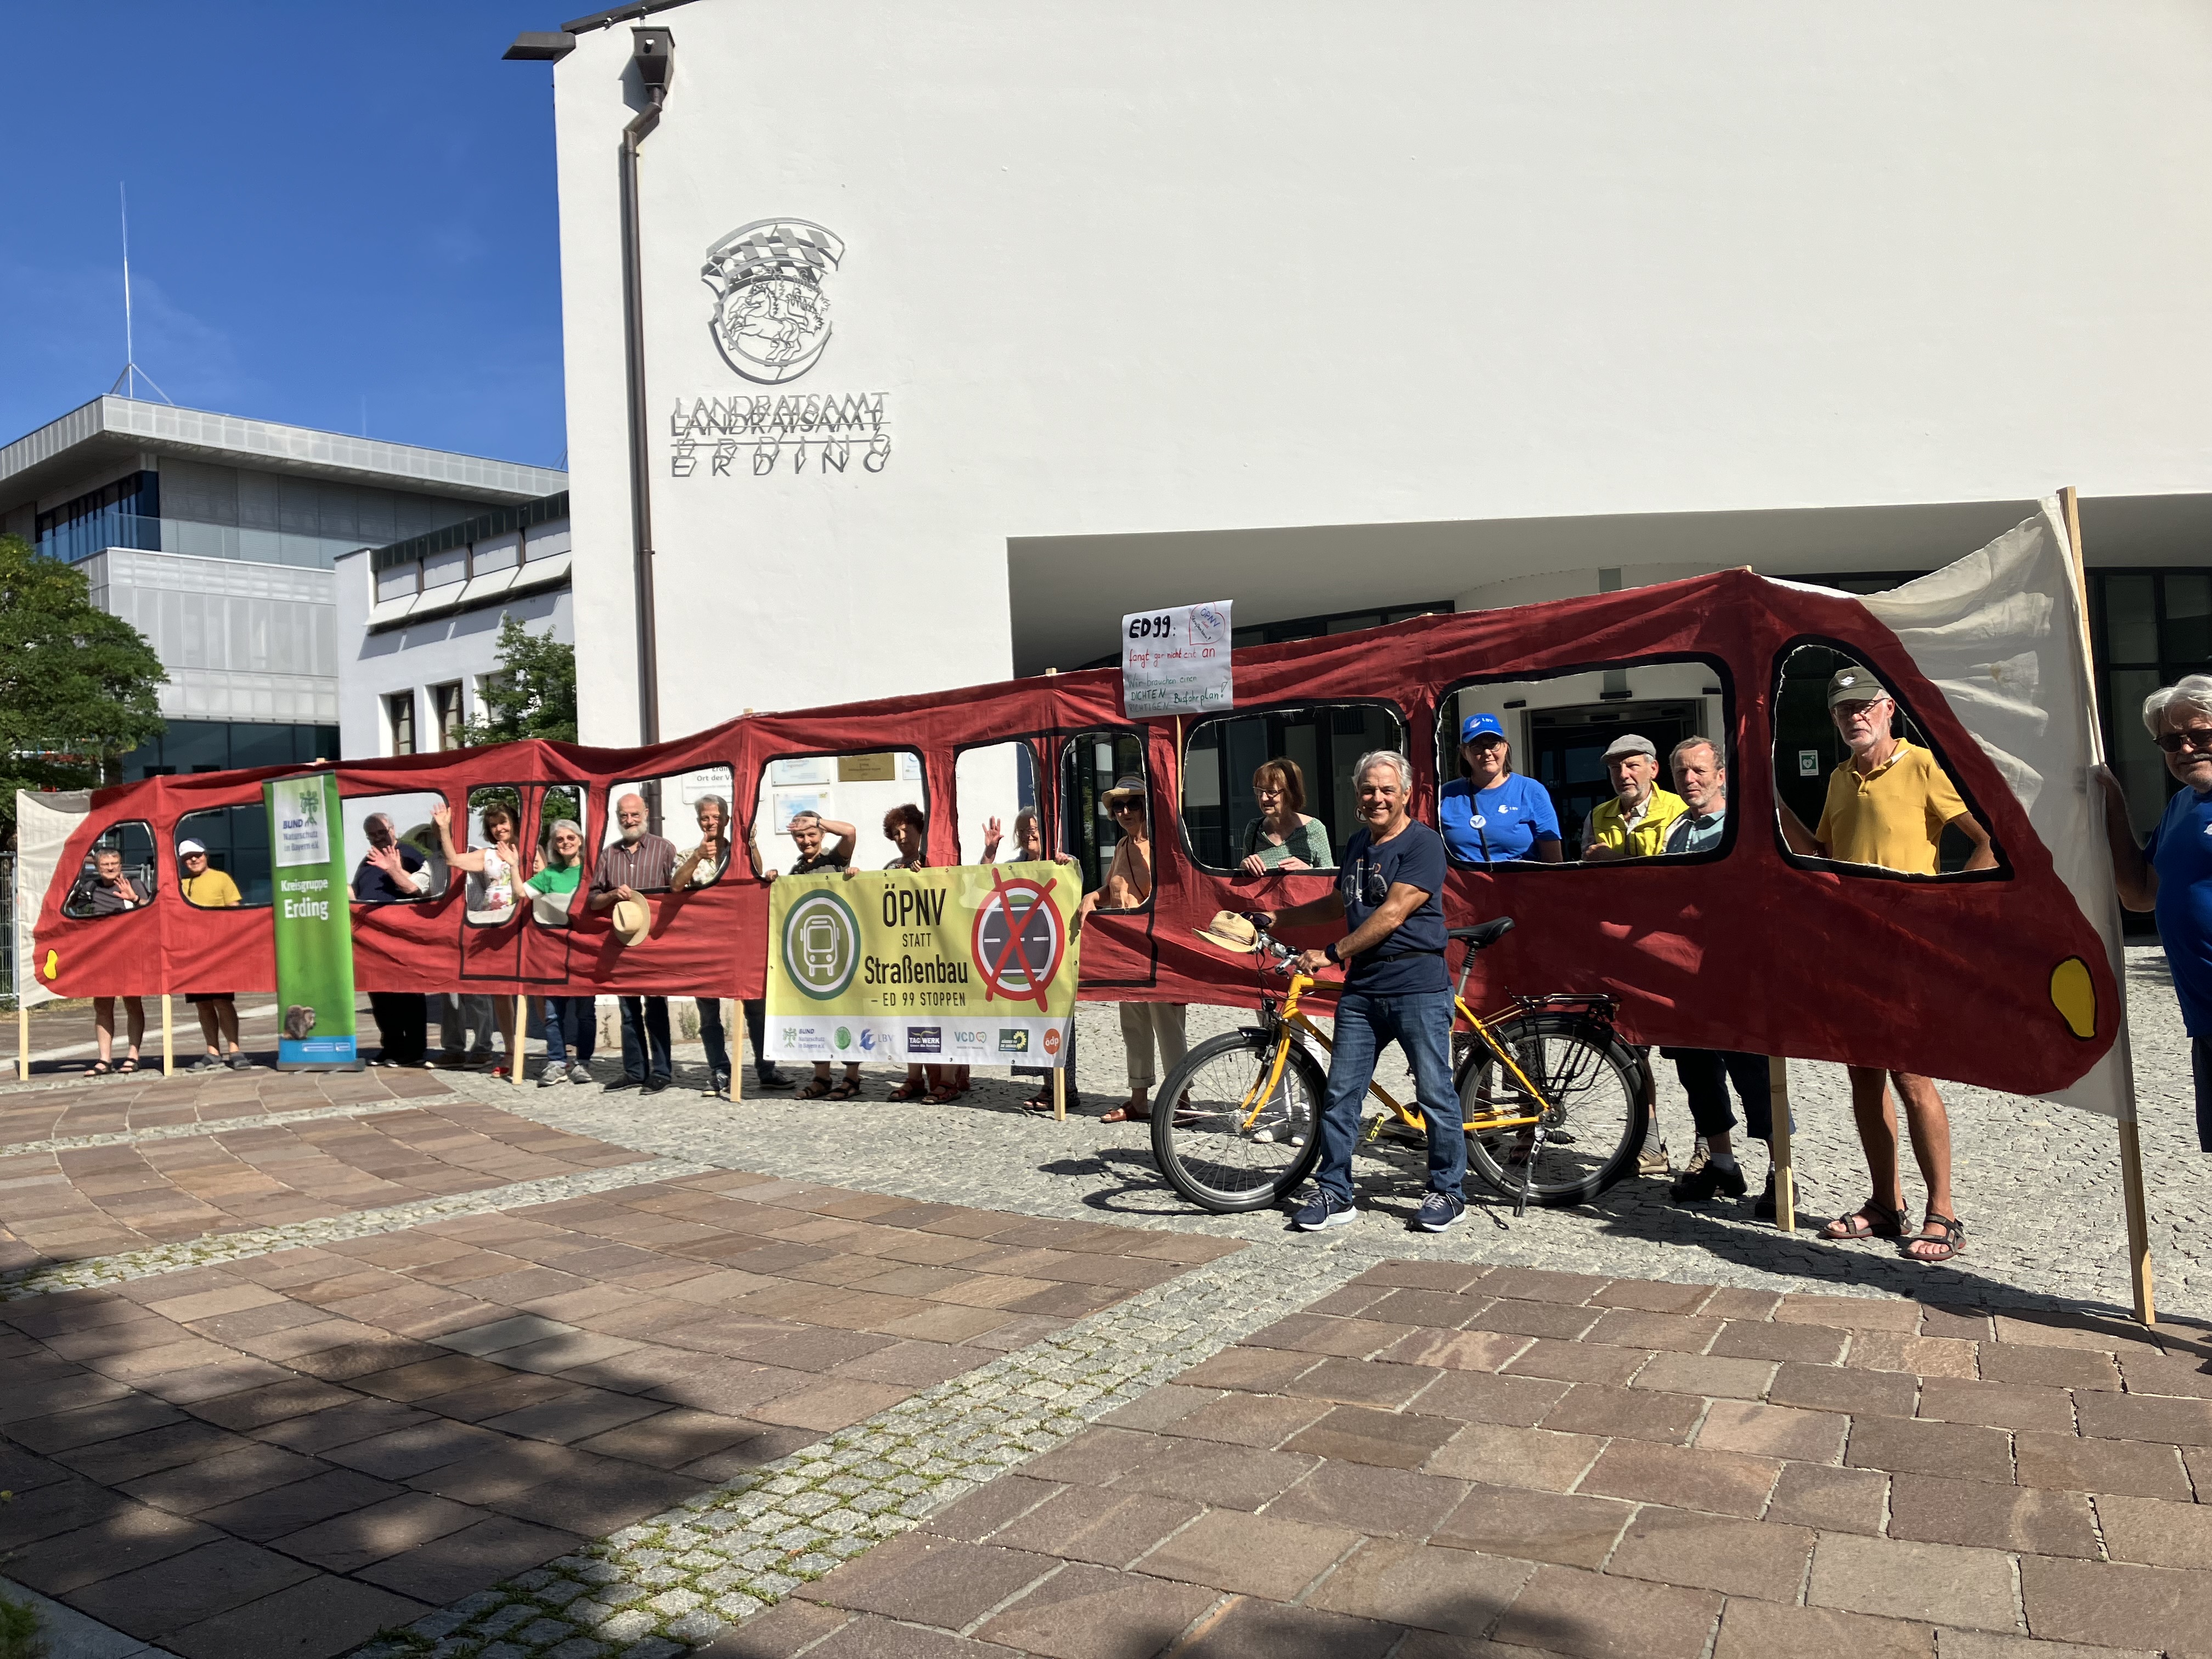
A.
pixel 969 966
pixel 314 924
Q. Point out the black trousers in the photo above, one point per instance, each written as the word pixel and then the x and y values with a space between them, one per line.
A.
pixel 403 1025
pixel 645 1038
pixel 1705 1074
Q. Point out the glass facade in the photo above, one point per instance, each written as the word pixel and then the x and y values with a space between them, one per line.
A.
pixel 125 513
pixel 219 746
pixel 2150 627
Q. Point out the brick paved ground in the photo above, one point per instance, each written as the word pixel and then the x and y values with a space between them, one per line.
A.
pixel 1439 1456
pixel 550 1372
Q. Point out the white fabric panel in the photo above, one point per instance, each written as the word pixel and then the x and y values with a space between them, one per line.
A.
pixel 44 824
pixel 2001 635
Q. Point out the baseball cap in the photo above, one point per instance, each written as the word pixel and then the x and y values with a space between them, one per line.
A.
pixel 186 849
pixel 1854 685
pixel 1475 726
pixel 1631 742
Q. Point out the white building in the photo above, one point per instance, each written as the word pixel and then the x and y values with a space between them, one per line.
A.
pixel 418 622
pixel 969 326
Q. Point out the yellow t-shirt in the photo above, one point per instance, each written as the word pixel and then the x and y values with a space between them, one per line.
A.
pixel 1649 838
pixel 211 889
pixel 1893 817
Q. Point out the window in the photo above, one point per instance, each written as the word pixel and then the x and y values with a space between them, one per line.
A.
pixel 1088 766
pixel 682 808
pixel 128 849
pixel 237 842
pixel 495 826
pixel 1324 741
pixel 557 803
pixel 399 715
pixel 125 513
pixel 854 789
pixel 1558 729
pixel 2151 627
pixel 992 781
pixel 446 711
pixel 383 826
pixel 1808 748
pixel 221 745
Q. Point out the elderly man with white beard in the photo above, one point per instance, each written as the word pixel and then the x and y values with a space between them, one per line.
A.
pixel 638 863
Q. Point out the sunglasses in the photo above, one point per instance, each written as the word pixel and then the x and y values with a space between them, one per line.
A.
pixel 2196 736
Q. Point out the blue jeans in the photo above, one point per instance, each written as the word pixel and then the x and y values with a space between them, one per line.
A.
pixel 645 1026
pixel 571 1028
pixel 1421 1025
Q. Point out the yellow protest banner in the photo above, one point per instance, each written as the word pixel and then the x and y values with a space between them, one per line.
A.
pixel 969 966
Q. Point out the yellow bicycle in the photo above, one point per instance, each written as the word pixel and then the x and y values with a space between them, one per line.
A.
pixel 1554 1103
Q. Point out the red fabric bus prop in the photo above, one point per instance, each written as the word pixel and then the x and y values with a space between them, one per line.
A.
pixel 1997 978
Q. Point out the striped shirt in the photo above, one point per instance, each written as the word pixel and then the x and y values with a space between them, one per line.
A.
pixel 643 867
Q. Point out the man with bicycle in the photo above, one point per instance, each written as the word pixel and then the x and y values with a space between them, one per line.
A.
pixel 1390 889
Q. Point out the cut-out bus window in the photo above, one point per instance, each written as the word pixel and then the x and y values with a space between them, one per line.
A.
pixel 236 840
pixel 92 894
pixel 494 828
pixel 1558 728
pixel 679 807
pixel 991 785
pixel 392 855
pixel 1323 741
pixel 559 862
pixel 850 789
pixel 1809 751
pixel 1088 766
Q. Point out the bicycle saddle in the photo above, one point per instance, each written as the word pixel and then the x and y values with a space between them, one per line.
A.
pixel 1488 934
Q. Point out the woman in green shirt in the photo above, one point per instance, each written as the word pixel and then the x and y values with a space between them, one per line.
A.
pixel 1283 837
pixel 571 1023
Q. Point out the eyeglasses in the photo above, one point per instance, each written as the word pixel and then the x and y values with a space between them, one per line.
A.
pixel 2195 737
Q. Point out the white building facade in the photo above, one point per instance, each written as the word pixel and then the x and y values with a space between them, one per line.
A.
pixel 969 326
pixel 420 622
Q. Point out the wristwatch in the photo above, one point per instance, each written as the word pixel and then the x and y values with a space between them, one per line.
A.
pixel 1329 951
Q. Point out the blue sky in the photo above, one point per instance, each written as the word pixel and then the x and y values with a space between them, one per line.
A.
pixel 328 204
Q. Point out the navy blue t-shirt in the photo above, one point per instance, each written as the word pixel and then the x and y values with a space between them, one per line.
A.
pixel 1412 959
pixel 2180 850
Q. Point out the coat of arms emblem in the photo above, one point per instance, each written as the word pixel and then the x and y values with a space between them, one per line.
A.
pixel 771 317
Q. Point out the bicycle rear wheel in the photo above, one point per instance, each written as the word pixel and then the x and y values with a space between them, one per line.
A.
pixel 1225 1142
pixel 1594 1084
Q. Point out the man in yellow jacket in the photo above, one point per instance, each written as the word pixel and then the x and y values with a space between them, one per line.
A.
pixel 1633 824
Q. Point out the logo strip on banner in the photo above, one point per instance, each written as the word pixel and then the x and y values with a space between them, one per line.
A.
pixel 1176 661
pixel 313 924
pixel 970 966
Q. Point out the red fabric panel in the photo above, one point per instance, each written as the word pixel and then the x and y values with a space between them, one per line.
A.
pixel 1750 952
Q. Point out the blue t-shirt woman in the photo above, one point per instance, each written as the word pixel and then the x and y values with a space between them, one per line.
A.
pixel 1505 821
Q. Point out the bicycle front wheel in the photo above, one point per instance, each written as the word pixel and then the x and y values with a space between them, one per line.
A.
pixel 1226 1141
pixel 1593 1126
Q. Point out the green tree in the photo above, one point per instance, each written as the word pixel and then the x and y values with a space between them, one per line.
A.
pixel 532 693
pixel 77 685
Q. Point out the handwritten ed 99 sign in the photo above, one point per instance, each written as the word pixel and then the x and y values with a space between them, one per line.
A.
pixel 1174 660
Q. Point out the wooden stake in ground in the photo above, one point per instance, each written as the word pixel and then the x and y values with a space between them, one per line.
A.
pixel 1060 1094
pixel 1786 1177
pixel 2131 1178
pixel 22 1040
pixel 521 1024
pixel 168 1038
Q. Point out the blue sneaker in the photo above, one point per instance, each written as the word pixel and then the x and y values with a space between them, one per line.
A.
pixel 1438 1211
pixel 1324 1209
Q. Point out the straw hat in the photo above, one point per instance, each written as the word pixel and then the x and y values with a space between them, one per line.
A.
pixel 632 921
pixel 1230 931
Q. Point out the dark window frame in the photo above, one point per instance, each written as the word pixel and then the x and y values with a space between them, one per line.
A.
pixel 150 883
pixel 1387 705
pixel 183 832
pixel 433 858
pixel 763 788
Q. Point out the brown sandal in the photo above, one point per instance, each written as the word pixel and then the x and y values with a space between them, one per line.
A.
pixel 1122 1113
pixel 1869 1220
pixel 909 1090
pixel 1945 1232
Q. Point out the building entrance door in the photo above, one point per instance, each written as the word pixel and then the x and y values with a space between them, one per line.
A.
pixel 1566 752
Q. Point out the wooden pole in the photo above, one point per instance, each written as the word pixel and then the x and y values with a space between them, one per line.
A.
pixel 168 1038
pixel 2136 1204
pixel 1785 1176
pixel 22 1038
pixel 521 1023
pixel 734 1023
pixel 1060 1094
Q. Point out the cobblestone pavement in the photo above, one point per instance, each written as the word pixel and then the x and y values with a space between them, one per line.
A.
pixel 763 1528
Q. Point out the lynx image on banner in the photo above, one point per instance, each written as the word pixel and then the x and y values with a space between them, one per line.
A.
pixel 314 924
pixel 973 965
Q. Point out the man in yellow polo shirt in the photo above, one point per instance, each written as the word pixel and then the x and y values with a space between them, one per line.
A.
pixel 1633 824
pixel 211 889
pixel 1888 805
